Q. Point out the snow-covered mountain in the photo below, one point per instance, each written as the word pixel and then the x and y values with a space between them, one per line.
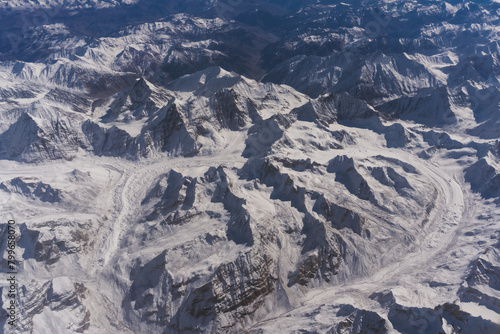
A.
pixel 251 167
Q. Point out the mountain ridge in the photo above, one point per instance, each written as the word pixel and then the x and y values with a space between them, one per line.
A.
pixel 290 166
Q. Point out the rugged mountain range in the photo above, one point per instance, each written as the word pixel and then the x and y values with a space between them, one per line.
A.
pixel 251 167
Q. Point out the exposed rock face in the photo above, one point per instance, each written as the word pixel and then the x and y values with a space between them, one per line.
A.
pixel 397 136
pixel 338 216
pixel 346 173
pixel 359 321
pixel 240 286
pixel 33 190
pixel 226 110
pixel 110 141
pixel 48 300
pixel 151 291
pixel 441 139
pixel 428 106
pixel 176 193
pixel 30 139
pixel 440 318
pixel 322 253
pixel 167 133
pixel 484 179
pixel 141 100
pixel 370 79
pixel 389 177
pixel 329 108
pixel 236 290
pixel 239 226
pixel 483 276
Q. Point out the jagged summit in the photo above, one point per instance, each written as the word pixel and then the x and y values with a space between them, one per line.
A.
pixel 210 80
pixel 32 139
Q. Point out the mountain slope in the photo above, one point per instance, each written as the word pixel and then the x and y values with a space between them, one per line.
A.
pixel 257 167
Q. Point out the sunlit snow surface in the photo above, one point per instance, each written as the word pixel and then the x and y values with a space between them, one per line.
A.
pixel 339 194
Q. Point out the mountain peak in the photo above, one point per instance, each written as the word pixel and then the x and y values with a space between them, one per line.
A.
pixel 210 80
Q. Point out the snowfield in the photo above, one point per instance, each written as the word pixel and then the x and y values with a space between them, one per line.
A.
pixel 185 171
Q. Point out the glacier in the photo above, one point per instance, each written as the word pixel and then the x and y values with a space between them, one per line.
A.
pixel 251 167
